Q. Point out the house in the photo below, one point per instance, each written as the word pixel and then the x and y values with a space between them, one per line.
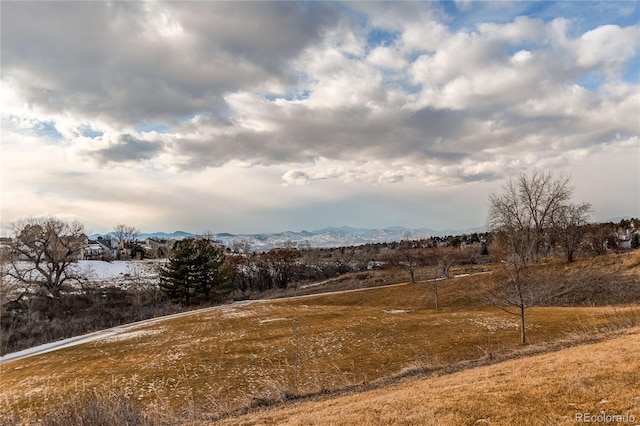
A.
pixel 626 235
pixel 93 251
pixel 5 245
pixel 158 249
pixel 99 249
pixel 110 245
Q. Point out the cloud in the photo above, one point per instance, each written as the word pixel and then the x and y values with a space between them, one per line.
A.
pixel 278 83
pixel 386 57
pixel 127 149
pixel 321 94
pixel 296 178
pixel 149 61
pixel 608 46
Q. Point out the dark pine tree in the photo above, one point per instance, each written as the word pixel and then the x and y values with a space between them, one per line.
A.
pixel 194 274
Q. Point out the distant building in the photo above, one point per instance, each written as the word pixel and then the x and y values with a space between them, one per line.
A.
pixel 99 249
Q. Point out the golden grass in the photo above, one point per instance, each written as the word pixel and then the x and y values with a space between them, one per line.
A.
pixel 632 260
pixel 540 390
pixel 213 363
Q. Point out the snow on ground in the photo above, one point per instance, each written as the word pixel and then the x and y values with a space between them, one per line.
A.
pixel 101 270
pixel 134 334
pixel 117 271
pixel 237 313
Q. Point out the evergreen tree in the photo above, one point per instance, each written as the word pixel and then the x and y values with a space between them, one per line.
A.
pixel 194 274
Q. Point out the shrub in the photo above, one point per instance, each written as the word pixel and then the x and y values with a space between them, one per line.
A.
pixel 99 411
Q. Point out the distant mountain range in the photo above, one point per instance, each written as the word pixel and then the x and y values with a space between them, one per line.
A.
pixel 326 237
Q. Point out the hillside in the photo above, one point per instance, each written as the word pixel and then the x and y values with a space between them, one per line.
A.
pixel 234 357
pixel 556 388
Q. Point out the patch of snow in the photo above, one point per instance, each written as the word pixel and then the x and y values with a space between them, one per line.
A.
pixel 494 324
pixel 113 272
pixel 314 284
pixel 396 311
pixel 100 270
pixel 133 335
pixel 237 313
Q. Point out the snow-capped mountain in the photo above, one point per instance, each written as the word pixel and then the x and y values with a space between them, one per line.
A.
pixel 177 235
pixel 326 237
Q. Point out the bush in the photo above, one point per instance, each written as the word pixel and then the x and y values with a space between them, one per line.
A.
pixel 99 411
pixel 38 319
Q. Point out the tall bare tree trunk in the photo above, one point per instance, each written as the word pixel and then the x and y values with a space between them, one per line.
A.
pixel 523 330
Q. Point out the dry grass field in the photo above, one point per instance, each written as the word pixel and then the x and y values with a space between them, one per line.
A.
pixel 219 363
pixel 557 388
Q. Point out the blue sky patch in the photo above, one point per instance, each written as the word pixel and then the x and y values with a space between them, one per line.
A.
pixel 47 129
pixel 380 37
pixel 43 129
pixel 88 132
pixel 297 96
pixel 152 127
pixel 591 81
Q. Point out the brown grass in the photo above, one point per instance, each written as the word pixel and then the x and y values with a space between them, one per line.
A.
pixel 540 390
pixel 632 260
pixel 207 365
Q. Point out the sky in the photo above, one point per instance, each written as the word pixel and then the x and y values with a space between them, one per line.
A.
pixel 249 117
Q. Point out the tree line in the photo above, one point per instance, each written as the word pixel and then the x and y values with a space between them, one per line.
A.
pixel 534 218
pixel 42 255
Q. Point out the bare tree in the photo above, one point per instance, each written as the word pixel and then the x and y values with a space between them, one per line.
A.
pixel 569 227
pixel 600 238
pixel 521 220
pixel 447 256
pixel 127 236
pixel 242 246
pixel 440 259
pixel 144 287
pixel 525 211
pixel 45 251
pixel 408 256
pixel 9 288
pixel 346 259
pixel 434 285
pixel 513 291
pixel 283 263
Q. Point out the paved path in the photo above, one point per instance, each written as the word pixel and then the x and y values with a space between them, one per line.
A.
pixel 103 334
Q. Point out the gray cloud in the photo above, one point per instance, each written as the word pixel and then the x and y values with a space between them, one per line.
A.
pixel 137 61
pixel 354 112
pixel 265 33
pixel 128 149
pixel 296 178
pixel 341 133
pixel 279 82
